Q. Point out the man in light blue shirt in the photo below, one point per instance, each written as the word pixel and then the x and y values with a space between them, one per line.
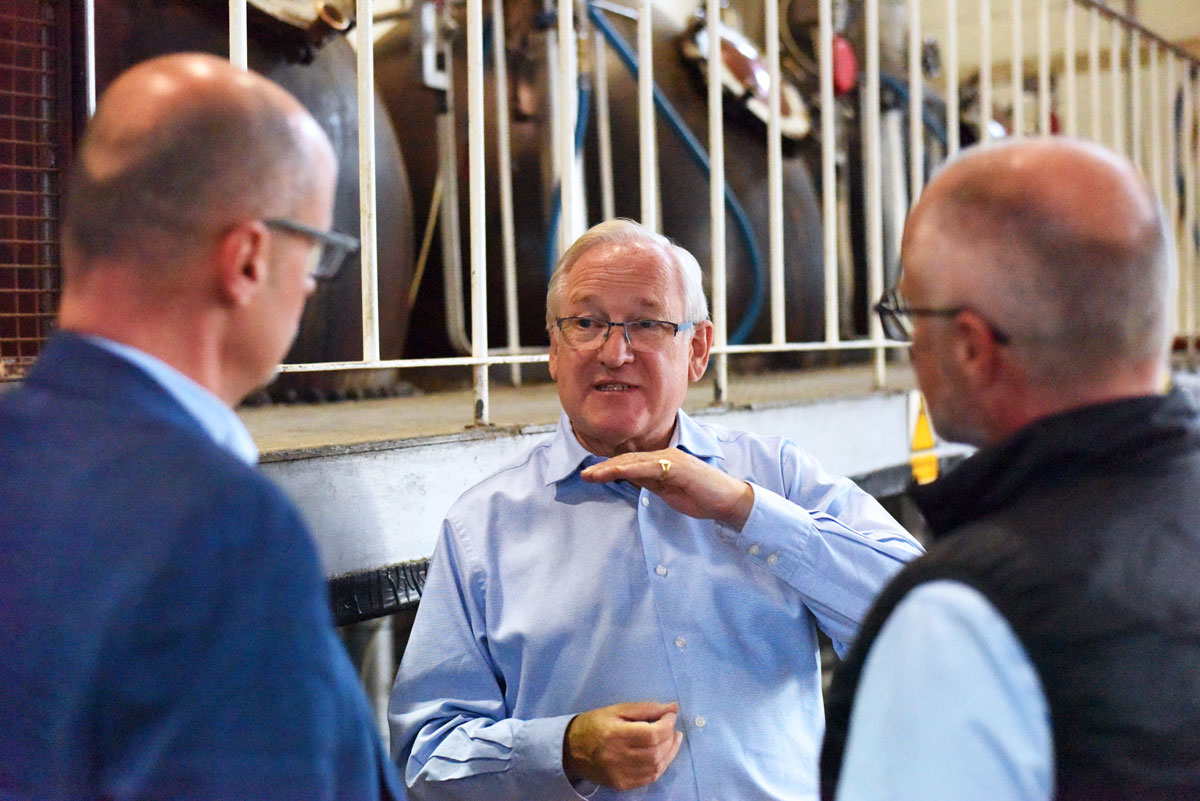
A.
pixel 630 610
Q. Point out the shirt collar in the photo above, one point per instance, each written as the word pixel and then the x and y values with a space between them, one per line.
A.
pixel 567 456
pixel 214 416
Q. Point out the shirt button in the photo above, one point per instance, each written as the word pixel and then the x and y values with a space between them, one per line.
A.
pixel 773 559
pixel 645 501
pixel 680 642
pixel 700 721
pixel 754 549
pixel 661 570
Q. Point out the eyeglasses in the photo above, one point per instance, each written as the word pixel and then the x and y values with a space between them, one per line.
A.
pixel 646 336
pixel 331 251
pixel 896 316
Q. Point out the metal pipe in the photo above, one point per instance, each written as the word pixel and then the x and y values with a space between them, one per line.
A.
pixel 716 196
pixel 1044 67
pixel 604 128
pixel 1114 64
pixel 985 70
pixel 916 132
pixel 1017 72
pixel 1188 261
pixel 1156 127
pixel 568 101
pixel 1135 99
pixel 953 112
pixel 368 254
pixel 557 166
pixel 1094 70
pixel 1072 101
pixel 477 167
pixel 1171 200
pixel 237 34
pixel 504 169
pixel 829 203
pixel 89 53
pixel 775 210
pixel 874 179
pixel 647 148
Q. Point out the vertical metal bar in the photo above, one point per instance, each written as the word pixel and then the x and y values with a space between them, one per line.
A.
pixel 554 94
pixel 953 111
pixel 829 207
pixel 477 202
pixel 568 77
pixel 1156 127
pixel 985 71
pixel 504 170
pixel 237 33
pixel 89 41
pixel 874 182
pixel 368 255
pixel 604 128
pixel 775 176
pixel 916 143
pixel 1044 67
pixel 716 199
pixel 1186 168
pixel 1191 187
pixel 1171 196
pixel 1136 146
pixel 1018 71
pixel 1114 63
pixel 1071 111
pixel 646 121
pixel 1094 70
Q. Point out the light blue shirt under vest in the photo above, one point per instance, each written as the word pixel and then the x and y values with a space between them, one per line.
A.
pixel 548 596
pixel 213 414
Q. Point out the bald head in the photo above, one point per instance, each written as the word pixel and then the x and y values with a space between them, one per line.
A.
pixel 181 147
pixel 1059 244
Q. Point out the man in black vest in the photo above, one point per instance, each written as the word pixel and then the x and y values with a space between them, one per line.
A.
pixel 1048 646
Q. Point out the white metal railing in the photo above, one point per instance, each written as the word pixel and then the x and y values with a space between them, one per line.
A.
pixel 1144 102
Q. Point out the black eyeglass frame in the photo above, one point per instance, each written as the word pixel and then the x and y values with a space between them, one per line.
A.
pixel 342 244
pixel 609 325
pixel 891 308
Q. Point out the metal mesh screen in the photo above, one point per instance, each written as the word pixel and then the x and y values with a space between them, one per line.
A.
pixel 34 118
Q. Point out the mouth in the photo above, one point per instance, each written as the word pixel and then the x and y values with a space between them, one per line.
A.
pixel 612 386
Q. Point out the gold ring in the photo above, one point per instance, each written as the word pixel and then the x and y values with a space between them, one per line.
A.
pixel 665 464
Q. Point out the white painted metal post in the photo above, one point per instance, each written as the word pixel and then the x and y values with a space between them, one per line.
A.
pixel 1136 145
pixel 504 170
pixel 1117 108
pixel 89 34
pixel 829 205
pixel 1094 70
pixel 478 206
pixel 716 199
pixel 775 176
pixel 1018 71
pixel 1171 196
pixel 1071 111
pixel 874 180
pixel 568 103
pixel 648 149
pixel 985 70
pixel 604 128
pixel 1044 67
pixel 1156 127
pixel 953 112
pixel 916 143
pixel 368 254
pixel 237 33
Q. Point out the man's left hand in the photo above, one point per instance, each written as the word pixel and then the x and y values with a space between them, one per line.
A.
pixel 688 485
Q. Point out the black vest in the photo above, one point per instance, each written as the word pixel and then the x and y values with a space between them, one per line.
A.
pixel 1083 531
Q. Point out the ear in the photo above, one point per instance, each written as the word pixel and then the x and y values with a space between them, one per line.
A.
pixel 980 357
pixel 553 354
pixel 701 345
pixel 242 263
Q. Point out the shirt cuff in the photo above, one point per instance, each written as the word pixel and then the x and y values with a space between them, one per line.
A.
pixel 774 534
pixel 539 750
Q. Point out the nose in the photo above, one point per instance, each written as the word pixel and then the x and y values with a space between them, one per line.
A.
pixel 615 350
